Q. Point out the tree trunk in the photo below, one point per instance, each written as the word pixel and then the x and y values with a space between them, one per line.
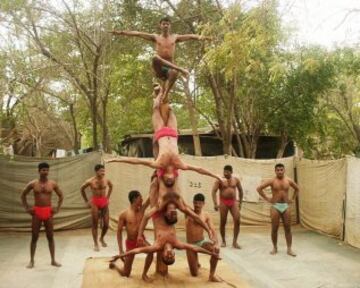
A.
pixel 94 126
pixel 283 143
pixel 193 120
pixel 76 133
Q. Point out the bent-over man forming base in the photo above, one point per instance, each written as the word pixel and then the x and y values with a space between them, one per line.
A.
pixel 101 190
pixel 228 202
pixel 280 205
pixel 131 220
pixel 195 236
pixel 42 212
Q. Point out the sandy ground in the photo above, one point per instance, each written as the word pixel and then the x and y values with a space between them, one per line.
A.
pixel 321 262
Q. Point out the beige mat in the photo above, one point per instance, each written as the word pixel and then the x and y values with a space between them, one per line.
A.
pixel 97 274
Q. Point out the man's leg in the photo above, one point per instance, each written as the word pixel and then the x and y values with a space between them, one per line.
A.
pixel 50 237
pixel 159 60
pixel 172 121
pixel 126 270
pixel 235 212
pixel 35 229
pixel 157 120
pixel 105 227
pixel 275 220
pixel 193 261
pixel 286 217
pixel 213 262
pixel 148 261
pixel 169 83
pixel 223 219
pixel 95 221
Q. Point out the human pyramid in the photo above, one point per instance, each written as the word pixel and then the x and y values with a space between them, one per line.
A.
pixel 164 197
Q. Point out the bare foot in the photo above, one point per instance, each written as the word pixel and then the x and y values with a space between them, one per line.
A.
pixel 103 243
pixel 274 251
pixel 223 244
pixel 30 265
pixel 56 264
pixel 291 253
pixel 146 278
pixel 96 247
pixel 236 246
pixel 214 278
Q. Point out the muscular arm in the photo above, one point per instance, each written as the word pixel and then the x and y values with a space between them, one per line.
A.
pixel 24 193
pixel 83 188
pixel 187 37
pixel 121 225
pixel 110 188
pixel 143 35
pixel 199 170
pixel 295 187
pixel 136 161
pixel 60 196
pixel 211 225
pixel 213 193
pixel 240 191
pixel 144 222
pixel 260 189
pixel 187 246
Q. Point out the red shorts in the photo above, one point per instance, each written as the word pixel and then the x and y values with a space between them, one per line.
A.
pixel 43 213
pixel 100 202
pixel 228 202
pixel 156 215
pixel 160 172
pixel 165 132
pixel 131 244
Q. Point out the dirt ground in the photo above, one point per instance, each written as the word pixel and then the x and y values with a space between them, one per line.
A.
pixel 321 262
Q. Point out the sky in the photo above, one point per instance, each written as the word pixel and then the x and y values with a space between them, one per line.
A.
pixel 324 22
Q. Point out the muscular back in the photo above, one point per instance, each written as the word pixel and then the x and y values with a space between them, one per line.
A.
pixel 165 46
pixel 42 192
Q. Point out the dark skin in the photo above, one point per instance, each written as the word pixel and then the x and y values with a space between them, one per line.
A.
pixel 130 220
pixel 165 44
pixel 100 187
pixel 195 233
pixel 42 188
pixel 280 186
pixel 228 186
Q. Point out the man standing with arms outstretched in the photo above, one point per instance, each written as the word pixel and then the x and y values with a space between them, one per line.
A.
pixel 163 61
pixel 228 202
pixel 101 190
pixel 42 211
pixel 280 205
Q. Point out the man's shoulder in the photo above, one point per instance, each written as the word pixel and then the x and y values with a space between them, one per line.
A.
pixel 33 182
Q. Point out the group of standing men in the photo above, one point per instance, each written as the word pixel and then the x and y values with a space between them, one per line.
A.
pixel 164 196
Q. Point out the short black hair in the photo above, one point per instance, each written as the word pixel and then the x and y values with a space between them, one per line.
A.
pixel 133 194
pixel 279 165
pixel 170 221
pixel 168 261
pixel 199 197
pixel 43 165
pixel 228 168
pixel 165 19
pixel 98 167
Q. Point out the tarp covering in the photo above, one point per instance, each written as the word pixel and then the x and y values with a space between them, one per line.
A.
pixel 352 211
pixel 69 173
pixel 127 177
pixel 322 191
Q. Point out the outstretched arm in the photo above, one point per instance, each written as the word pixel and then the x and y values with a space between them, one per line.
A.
pixel 135 161
pixel 144 221
pixel 260 189
pixel 187 246
pixel 143 35
pixel 187 37
pixel 199 170
pixel 145 249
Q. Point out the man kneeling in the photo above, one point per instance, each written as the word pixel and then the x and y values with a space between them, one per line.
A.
pixel 195 236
